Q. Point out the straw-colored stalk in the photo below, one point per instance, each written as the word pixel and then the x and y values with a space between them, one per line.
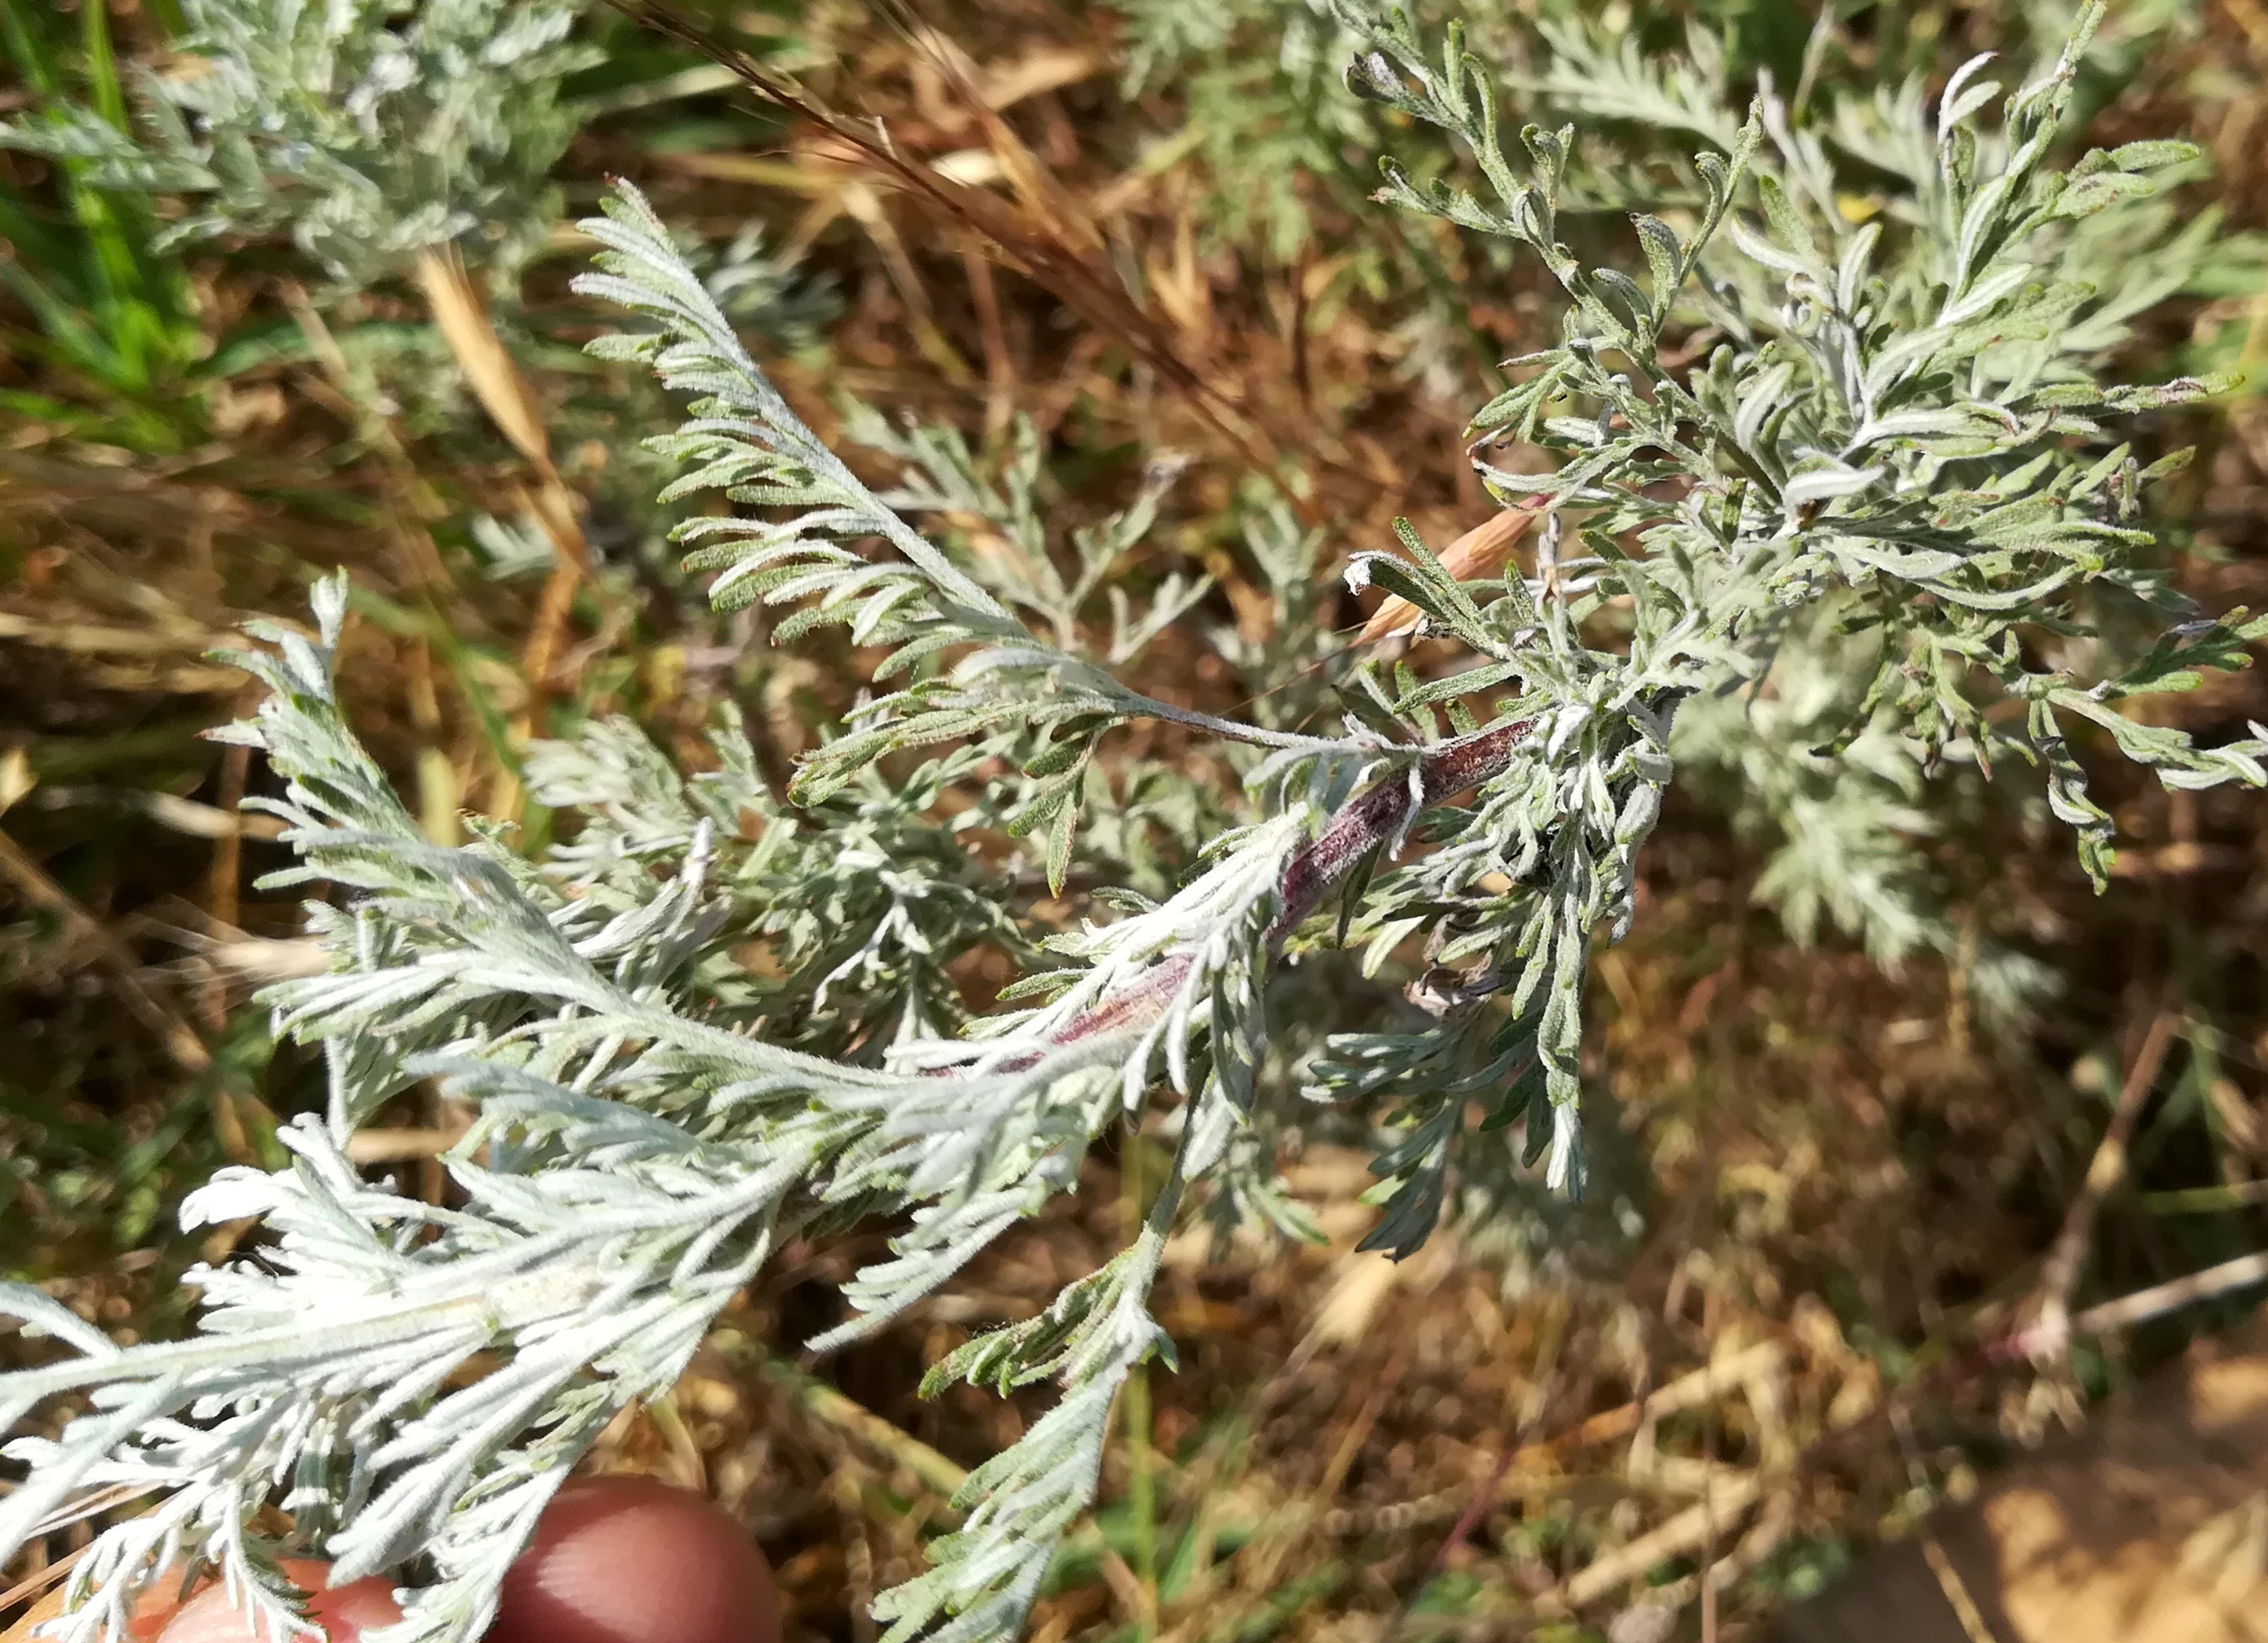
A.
pixel 462 316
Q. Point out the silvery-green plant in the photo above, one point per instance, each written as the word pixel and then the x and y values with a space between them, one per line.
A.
pixel 1778 432
pixel 1849 815
pixel 366 129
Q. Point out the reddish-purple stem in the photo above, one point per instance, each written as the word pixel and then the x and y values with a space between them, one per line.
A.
pixel 1375 816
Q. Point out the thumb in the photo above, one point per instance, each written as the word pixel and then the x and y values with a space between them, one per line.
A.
pixel 613 1560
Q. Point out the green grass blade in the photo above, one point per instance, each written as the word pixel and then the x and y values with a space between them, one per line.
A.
pixel 34 64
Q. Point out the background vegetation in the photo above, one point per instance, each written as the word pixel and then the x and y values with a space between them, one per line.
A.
pixel 1758 1349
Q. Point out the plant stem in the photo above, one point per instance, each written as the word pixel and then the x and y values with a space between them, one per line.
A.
pixel 1134 1407
pixel 1377 814
pixel 1372 817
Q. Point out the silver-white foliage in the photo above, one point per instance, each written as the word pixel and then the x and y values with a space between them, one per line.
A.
pixel 635 1158
pixel 1853 822
pixel 366 129
pixel 1853 832
pixel 1888 431
pixel 862 899
pixel 942 477
pixel 1897 446
pixel 744 441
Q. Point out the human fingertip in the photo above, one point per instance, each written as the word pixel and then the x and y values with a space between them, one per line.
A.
pixel 344 1612
pixel 632 1560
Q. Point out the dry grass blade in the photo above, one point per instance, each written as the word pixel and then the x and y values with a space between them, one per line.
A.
pixel 462 319
pixel 2144 1304
pixel 94 638
pixel 2059 1272
pixel 1479 555
pixel 47 1608
pixel 1679 1536
pixel 27 1624
pixel 1036 237
pixel 1693 1391
pixel 824 1403
pixel 383 1145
